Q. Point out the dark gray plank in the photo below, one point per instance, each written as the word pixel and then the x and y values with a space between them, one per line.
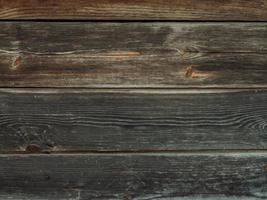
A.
pixel 134 176
pixel 135 9
pixel 133 55
pixel 135 120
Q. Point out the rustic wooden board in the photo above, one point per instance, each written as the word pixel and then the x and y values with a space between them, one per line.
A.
pixel 133 55
pixel 240 10
pixel 132 176
pixel 149 120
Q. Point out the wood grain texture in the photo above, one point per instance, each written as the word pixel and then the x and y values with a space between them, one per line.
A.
pixel 131 176
pixel 98 55
pixel 45 121
pixel 239 10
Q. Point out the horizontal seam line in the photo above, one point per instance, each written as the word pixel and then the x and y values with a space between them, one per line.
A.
pixel 178 152
pixel 129 20
pixel 233 88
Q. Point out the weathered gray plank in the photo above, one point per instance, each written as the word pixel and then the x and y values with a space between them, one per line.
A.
pixel 67 37
pixel 154 120
pixel 134 176
pixel 133 54
pixel 135 9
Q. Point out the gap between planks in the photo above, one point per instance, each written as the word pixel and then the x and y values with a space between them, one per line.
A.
pixel 193 90
pixel 129 21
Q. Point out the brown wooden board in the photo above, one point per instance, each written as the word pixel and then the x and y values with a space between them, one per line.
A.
pixel 131 176
pixel 150 120
pixel 143 55
pixel 226 10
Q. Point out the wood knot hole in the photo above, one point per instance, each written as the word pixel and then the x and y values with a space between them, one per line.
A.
pixel 16 63
pixel 189 72
pixel 33 148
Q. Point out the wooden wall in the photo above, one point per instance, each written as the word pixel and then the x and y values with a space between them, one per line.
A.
pixel 133 100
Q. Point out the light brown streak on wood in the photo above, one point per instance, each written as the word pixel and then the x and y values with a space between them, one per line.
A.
pixel 120 54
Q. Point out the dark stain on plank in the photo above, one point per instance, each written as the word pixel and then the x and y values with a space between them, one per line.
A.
pixel 32 148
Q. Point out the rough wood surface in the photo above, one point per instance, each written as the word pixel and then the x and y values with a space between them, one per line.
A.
pixel 137 143
pixel 240 10
pixel 136 177
pixel 133 54
pixel 57 121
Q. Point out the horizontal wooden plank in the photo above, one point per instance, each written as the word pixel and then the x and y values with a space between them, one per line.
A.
pixel 130 70
pixel 99 120
pixel 98 55
pixel 134 176
pixel 95 37
pixel 135 9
